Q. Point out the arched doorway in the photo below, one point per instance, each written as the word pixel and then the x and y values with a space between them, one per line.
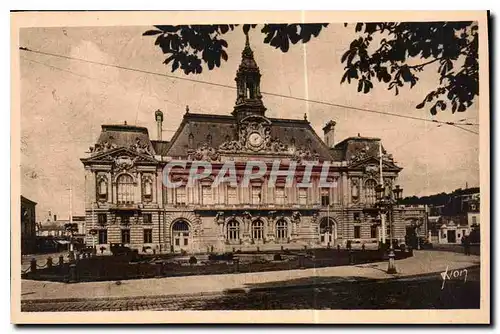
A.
pixel 327 231
pixel 180 235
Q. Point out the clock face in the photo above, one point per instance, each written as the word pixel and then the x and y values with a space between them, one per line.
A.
pixel 255 139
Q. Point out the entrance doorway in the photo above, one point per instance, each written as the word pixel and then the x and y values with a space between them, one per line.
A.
pixel 180 235
pixel 327 231
pixel 452 236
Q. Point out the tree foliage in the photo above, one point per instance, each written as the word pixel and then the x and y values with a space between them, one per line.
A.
pixel 395 53
pixel 187 47
pixel 392 53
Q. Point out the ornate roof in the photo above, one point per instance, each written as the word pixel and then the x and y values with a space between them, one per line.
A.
pixel 226 135
pixel 114 136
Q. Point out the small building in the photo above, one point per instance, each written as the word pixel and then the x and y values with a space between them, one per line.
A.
pixel 453 229
pixel 28 226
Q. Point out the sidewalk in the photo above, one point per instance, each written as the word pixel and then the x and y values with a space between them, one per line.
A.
pixel 423 262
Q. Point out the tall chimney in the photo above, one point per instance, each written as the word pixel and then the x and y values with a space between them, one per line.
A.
pixel 329 131
pixel 159 122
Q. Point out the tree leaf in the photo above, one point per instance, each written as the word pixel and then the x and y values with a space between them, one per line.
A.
pixel 152 32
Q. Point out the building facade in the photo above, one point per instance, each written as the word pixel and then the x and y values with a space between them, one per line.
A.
pixel 128 201
pixel 28 226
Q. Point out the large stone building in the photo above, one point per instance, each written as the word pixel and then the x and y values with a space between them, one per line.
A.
pixel 129 203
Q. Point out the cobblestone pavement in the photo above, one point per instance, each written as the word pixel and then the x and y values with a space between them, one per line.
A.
pixel 419 292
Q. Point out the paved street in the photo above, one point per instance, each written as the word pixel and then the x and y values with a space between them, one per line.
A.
pixel 418 284
pixel 414 292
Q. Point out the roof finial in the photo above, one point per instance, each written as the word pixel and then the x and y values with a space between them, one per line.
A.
pixel 305 116
pixel 247 50
pixel 187 109
pixel 125 123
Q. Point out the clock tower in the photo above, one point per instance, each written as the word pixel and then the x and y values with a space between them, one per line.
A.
pixel 249 98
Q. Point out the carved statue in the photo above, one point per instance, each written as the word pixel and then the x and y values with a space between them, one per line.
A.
pixel 219 217
pixel 355 189
pixel 205 152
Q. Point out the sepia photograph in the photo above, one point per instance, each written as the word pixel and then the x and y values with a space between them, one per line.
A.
pixel 331 164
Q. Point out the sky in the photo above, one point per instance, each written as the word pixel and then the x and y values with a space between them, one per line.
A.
pixel 64 103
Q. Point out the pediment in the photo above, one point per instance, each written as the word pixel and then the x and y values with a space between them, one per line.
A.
pixel 120 156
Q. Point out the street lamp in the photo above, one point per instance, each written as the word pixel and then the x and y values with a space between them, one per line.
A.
pixel 386 199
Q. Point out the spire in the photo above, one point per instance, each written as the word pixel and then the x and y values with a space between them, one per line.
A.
pixel 249 98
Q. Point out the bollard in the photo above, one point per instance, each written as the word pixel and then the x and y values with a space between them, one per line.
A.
pixel 61 260
pixel 159 268
pixel 72 273
pixel 49 262
pixel 33 265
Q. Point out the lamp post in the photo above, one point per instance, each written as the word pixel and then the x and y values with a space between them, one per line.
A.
pixel 387 198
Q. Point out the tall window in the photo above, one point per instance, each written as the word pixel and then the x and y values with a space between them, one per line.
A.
pixel 257 230
pixel 125 236
pixel 233 231
pixel 231 195
pixel 125 220
pixel 357 232
pixel 302 196
pixel 256 194
pixel 180 197
pixel 357 217
pixel 370 194
pixel 373 231
pixel 325 196
pixel 207 196
pixel 102 218
pixel 148 236
pixel 147 218
pixel 103 236
pixel 125 191
pixel 474 220
pixel 280 195
pixel 281 230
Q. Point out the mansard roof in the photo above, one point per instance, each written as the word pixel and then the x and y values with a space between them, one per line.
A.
pixel 214 130
pixel 122 135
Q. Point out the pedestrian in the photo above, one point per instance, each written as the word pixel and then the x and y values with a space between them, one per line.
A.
pixel 363 246
pixel 467 246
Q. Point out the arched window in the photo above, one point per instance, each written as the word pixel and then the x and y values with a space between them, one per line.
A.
pixel 257 230
pixel 125 189
pixel 233 231
pixel 370 194
pixel 282 230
